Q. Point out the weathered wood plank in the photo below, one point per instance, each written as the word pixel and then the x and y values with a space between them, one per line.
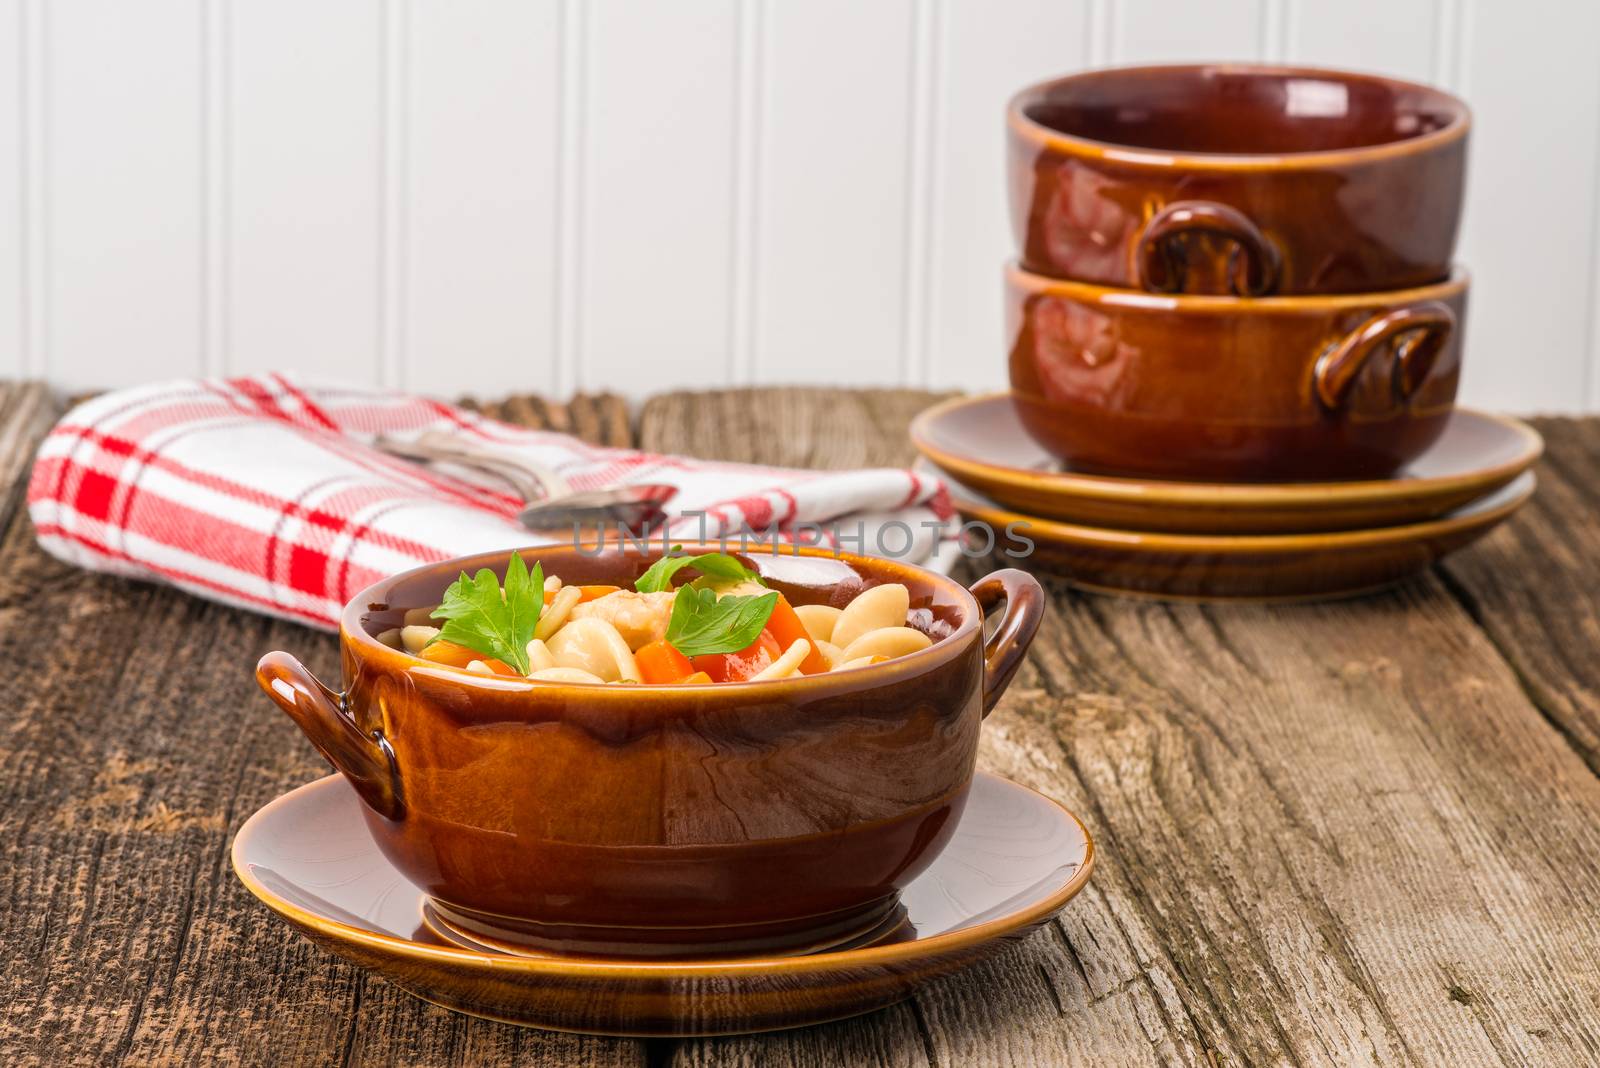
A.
pixel 1534 585
pixel 133 746
pixel 1331 834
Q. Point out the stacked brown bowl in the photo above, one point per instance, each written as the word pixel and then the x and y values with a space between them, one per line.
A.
pixel 1235 274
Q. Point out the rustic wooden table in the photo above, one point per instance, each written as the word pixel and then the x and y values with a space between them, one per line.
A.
pixel 1347 833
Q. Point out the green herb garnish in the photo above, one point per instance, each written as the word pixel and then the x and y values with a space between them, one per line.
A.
pixel 704 623
pixel 658 577
pixel 487 620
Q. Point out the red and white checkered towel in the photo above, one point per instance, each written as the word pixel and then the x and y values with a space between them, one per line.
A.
pixel 265 492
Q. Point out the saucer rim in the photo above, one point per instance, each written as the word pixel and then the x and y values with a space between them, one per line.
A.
pixel 586 967
pixel 1217 496
pixel 1158 541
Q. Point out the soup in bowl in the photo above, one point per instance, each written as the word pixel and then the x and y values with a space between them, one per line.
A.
pixel 626 782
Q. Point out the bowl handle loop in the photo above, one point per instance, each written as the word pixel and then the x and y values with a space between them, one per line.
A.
pixel 1003 652
pixel 1158 263
pixel 1422 329
pixel 365 760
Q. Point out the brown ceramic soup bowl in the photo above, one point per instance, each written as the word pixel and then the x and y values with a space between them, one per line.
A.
pixel 1237 179
pixel 641 820
pixel 1223 388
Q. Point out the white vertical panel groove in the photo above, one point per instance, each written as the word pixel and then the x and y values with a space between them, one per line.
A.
pixel 1591 366
pixel 1098 18
pixel 1273 44
pixel 568 324
pixel 1446 23
pixel 394 98
pixel 1461 41
pixel 921 152
pixel 749 122
pixel 35 251
pixel 214 183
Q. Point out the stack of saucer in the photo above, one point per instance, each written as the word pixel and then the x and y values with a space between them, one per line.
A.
pixel 1235 338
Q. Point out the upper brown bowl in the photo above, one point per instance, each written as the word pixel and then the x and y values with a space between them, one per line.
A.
pixel 1249 180
pixel 666 820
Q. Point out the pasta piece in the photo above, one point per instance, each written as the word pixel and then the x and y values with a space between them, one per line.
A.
pixel 390 637
pixel 887 642
pixel 539 658
pixel 593 645
pixel 415 637
pixel 874 609
pixel 786 665
pixel 862 661
pixel 819 620
pixel 552 584
pixel 556 612
pixel 565 674
pixel 420 617
pixel 830 652
pixel 640 618
pixel 478 667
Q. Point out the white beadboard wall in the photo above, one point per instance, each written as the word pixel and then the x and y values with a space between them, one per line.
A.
pixel 555 195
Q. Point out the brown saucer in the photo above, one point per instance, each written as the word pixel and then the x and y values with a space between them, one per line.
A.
pixel 981 442
pixel 1015 859
pixel 1237 567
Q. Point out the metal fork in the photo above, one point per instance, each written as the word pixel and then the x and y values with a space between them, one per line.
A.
pixel 551 502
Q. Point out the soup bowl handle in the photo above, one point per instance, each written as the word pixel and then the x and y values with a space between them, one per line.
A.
pixel 364 759
pixel 1419 331
pixel 1158 262
pixel 1005 648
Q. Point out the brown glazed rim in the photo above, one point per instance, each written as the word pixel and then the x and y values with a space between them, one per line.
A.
pixel 1030 130
pixel 1245 544
pixel 870 955
pixel 351 631
pixel 1019 277
pixel 1111 487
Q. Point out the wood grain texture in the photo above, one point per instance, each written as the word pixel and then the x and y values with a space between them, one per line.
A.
pixel 1534 587
pixel 132 748
pixel 1329 834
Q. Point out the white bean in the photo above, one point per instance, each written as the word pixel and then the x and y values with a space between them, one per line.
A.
pixel 556 612
pixel 415 637
pixel 478 667
pixel 874 609
pixel 539 658
pixel 864 661
pixel 552 583
pixel 819 620
pixel 565 674
pixel 888 642
pixel 595 646
pixel 787 664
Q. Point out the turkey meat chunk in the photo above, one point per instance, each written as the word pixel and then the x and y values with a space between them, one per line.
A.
pixel 640 618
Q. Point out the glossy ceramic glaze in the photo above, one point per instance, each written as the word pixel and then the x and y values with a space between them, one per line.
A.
pixel 1237 179
pixel 1224 389
pixel 666 820
pixel 981 442
pixel 1239 567
pixel 1015 859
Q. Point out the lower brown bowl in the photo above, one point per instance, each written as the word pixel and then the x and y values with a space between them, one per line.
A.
pixel 1232 389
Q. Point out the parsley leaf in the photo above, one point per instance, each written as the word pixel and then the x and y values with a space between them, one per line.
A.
pixel 498 625
pixel 658 578
pixel 703 623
